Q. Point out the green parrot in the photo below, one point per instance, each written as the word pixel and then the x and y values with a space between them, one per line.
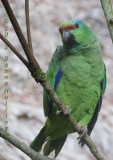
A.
pixel 78 76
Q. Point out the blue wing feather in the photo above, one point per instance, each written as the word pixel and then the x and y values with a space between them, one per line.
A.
pixel 57 79
pixel 102 83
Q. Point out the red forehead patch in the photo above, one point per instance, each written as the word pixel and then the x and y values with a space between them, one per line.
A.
pixel 69 27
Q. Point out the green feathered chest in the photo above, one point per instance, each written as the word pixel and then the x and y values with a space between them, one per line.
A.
pixel 80 84
pixel 76 71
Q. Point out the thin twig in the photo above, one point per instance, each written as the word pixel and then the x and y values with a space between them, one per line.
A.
pixel 28 26
pixel 22 146
pixel 14 50
pixel 15 25
pixel 108 12
pixel 19 33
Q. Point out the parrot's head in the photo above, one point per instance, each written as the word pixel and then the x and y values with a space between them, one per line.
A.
pixel 75 33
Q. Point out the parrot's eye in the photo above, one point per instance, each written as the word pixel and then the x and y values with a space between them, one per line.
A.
pixel 77 25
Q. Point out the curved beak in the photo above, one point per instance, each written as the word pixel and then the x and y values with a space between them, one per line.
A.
pixel 68 38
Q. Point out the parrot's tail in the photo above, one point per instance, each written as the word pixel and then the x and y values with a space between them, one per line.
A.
pixel 54 145
pixel 39 140
pixel 51 145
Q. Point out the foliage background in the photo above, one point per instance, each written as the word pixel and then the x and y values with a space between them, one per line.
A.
pixel 25 111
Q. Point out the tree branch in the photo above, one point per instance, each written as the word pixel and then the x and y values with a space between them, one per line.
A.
pixel 20 35
pixel 40 77
pixel 14 50
pixel 22 146
pixel 28 26
pixel 108 12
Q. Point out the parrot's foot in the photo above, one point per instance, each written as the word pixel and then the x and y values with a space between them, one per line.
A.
pixel 82 134
pixel 58 112
pixel 67 110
